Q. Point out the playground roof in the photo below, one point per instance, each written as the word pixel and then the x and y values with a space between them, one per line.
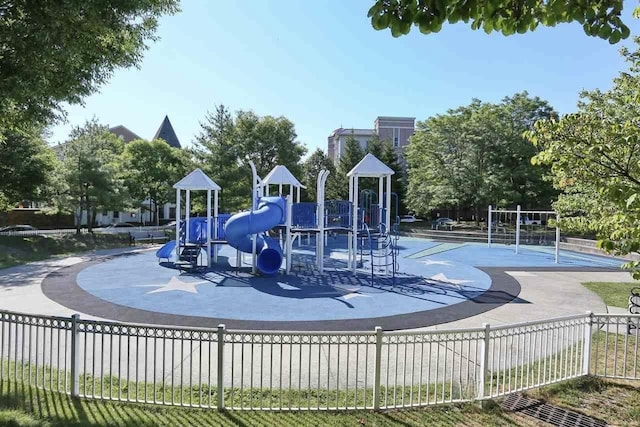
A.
pixel 370 166
pixel 197 180
pixel 281 175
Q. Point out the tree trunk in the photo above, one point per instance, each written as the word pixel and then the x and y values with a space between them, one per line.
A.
pixel 79 212
pixel 477 215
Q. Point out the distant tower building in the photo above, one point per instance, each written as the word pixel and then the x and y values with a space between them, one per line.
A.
pixel 166 132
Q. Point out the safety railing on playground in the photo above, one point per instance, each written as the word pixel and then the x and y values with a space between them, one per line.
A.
pixel 219 368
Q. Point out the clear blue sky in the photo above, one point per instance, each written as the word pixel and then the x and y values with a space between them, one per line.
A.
pixel 322 65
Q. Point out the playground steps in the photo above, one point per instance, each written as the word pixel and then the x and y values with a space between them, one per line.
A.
pixel 188 257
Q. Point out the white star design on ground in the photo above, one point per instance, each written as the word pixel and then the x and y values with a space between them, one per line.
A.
pixel 432 262
pixel 442 278
pixel 354 295
pixel 177 284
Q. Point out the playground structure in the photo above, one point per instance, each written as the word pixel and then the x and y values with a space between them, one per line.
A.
pixel 529 219
pixel 273 223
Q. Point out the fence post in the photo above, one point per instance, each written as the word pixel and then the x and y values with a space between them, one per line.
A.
pixel 376 380
pixel 75 357
pixel 221 330
pixel 484 361
pixel 586 348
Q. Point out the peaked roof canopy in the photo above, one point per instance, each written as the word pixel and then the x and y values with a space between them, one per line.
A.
pixel 281 175
pixel 196 180
pixel 370 167
pixel 166 132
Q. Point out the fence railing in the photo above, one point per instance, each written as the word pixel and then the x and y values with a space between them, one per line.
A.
pixel 99 230
pixel 218 368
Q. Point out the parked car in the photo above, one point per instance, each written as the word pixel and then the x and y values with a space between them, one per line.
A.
pixel 14 228
pixel 442 223
pixel 409 218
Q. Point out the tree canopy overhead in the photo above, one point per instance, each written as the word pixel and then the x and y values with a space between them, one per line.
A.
pixel 599 18
pixel 61 51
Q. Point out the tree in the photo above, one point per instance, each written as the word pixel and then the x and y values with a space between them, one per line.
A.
pixel 54 52
pixel 26 167
pixel 226 144
pixel 150 168
pixel 311 167
pixel 91 172
pixel 521 182
pixel 598 19
pixel 595 160
pixel 476 155
pixel 389 157
pixel 352 154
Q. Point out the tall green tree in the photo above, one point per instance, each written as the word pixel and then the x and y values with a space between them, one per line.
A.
pixel 595 160
pixel 350 157
pixel 226 144
pixel 56 52
pixel 598 18
pixel 311 167
pixel 150 168
pixel 91 172
pixel 521 183
pixel 476 155
pixel 27 167
pixel 448 158
pixel 389 156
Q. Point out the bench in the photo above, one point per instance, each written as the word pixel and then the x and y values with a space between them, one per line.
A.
pixel 152 236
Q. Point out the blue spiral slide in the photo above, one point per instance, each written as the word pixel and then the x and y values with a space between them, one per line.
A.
pixel 240 228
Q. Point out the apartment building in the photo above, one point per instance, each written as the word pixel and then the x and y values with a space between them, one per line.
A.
pixel 395 130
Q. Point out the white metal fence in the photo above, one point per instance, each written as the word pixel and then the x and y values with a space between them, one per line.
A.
pixel 98 230
pixel 219 368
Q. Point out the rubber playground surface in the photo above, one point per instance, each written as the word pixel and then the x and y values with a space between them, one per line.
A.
pixel 436 282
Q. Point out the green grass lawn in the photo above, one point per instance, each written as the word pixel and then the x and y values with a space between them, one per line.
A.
pixel 617 403
pixel 612 293
pixel 16 250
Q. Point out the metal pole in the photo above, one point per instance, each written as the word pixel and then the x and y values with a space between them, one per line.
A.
pixel 489 226
pixel 352 218
pixel 484 360
pixel 216 224
pixel 187 208
pixel 209 228
pixel 220 387
pixel 354 246
pixel 288 243
pixel 376 380
pixel 557 239
pixel 388 218
pixel 517 229
pixel 586 349
pixel 75 356
pixel 178 224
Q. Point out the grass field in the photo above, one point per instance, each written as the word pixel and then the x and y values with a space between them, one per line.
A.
pixel 16 250
pixel 617 403
pixel 612 293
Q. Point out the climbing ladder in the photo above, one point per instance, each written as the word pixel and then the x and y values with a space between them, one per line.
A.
pixel 382 249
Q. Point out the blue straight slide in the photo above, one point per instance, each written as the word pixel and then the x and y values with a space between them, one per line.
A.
pixel 240 228
pixel 167 251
